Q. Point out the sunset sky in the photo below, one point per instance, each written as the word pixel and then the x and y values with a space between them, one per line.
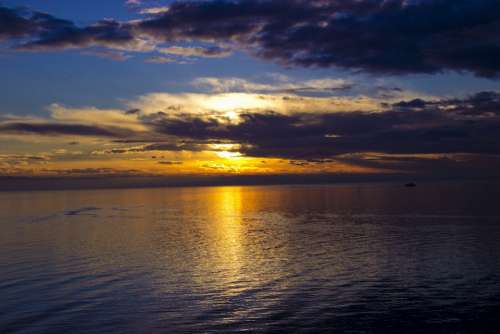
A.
pixel 240 87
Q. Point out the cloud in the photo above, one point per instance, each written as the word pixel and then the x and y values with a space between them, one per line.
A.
pixel 226 85
pixel 486 104
pixel 447 165
pixel 37 31
pixel 86 122
pixel 13 160
pixel 161 60
pixel 311 132
pixel 96 117
pixel 232 104
pixel 13 25
pixel 446 126
pixel 106 33
pixel 153 10
pixel 375 36
pixel 133 2
pixel 162 144
pixel 114 55
pixel 157 120
pixel 53 129
pixel 22 23
pixel 212 52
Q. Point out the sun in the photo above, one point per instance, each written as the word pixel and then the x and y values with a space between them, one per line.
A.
pixel 231 103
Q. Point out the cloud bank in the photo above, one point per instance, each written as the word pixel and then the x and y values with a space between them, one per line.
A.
pixel 467 125
pixel 470 125
pixel 374 36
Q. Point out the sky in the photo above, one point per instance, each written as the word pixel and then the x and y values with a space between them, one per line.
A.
pixel 249 88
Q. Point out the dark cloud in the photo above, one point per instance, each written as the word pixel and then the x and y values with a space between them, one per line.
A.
pixel 133 111
pixel 481 104
pixel 394 36
pixel 171 145
pixel 376 36
pixel 12 24
pixel 107 33
pixel 456 165
pixel 15 23
pixel 21 22
pixel 32 30
pixel 61 129
pixel 470 125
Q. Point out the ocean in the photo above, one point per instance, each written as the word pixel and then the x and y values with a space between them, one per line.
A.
pixel 350 258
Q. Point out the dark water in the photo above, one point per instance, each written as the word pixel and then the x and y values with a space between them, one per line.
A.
pixel 333 259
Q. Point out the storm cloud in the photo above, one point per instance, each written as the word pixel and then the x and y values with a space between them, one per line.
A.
pixel 375 36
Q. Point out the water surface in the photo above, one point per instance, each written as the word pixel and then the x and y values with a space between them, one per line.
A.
pixel 376 258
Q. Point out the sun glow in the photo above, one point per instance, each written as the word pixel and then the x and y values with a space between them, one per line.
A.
pixel 228 155
pixel 227 151
pixel 231 103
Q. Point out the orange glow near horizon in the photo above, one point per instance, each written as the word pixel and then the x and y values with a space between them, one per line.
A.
pixel 225 161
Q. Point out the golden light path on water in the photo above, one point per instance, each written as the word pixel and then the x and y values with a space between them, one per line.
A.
pixel 198 260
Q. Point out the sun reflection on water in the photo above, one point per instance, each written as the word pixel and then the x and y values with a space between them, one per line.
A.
pixel 227 241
